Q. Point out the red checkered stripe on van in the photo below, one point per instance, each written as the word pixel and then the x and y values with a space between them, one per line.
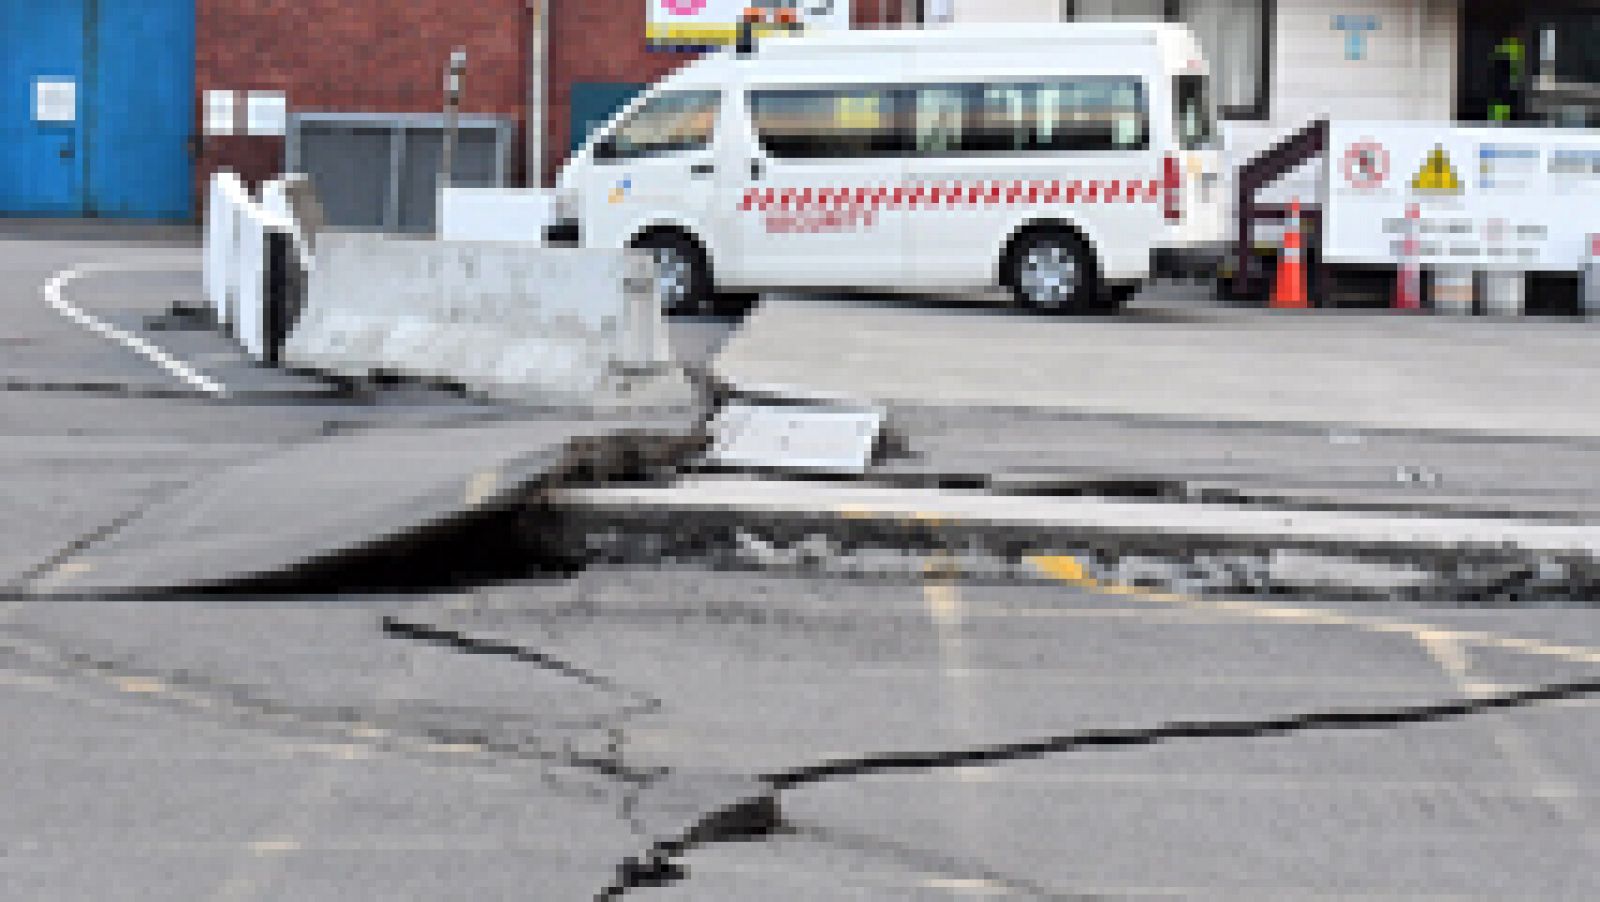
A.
pixel 951 195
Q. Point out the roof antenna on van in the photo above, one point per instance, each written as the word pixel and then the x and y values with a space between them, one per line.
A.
pixel 779 14
pixel 746 44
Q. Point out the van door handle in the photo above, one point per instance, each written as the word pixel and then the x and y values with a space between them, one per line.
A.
pixel 702 169
pixel 757 171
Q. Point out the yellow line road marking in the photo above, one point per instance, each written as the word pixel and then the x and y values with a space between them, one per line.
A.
pixel 1070 570
pixel 943 604
pixel 274 846
pixel 1063 568
pixel 455 748
pixel 966 886
pixel 1447 647
pixel 142 685
pixel 481 486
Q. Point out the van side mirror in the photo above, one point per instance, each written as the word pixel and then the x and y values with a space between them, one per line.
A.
pixel 606 148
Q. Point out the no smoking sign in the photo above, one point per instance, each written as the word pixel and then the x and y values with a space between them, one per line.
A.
pixel 1366 165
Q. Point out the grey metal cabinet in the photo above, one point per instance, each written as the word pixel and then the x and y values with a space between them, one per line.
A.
pixel 379 171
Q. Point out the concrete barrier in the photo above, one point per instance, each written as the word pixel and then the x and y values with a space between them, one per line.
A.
pixel 292 198
pixel 225 202
pixel 251 317
pixel 506 320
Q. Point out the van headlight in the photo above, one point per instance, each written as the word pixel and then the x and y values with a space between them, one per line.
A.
pixel 563 206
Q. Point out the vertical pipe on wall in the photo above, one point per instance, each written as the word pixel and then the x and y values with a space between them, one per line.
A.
pixel 1418 98
pixel 538 51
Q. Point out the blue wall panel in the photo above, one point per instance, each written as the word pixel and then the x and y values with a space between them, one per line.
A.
pixel 141 108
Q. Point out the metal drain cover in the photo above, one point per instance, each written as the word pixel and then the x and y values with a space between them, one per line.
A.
pixel 795 437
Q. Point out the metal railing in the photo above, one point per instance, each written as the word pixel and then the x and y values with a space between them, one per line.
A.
pixel 1255 176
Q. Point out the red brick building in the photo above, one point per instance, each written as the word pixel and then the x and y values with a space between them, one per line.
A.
pixel 373 56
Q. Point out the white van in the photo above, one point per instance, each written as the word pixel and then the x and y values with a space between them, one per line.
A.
pixel 1055 160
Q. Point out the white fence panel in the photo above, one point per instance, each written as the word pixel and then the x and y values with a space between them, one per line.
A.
pixel 228 197
pixel 495 214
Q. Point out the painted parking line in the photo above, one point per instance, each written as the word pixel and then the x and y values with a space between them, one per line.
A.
pixel 1071 571
pixel 54 295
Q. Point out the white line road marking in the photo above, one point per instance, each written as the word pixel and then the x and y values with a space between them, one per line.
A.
pixel 1516 748
pixel 53 295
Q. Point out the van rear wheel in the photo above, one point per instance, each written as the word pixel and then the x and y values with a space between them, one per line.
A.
pixel 1053 272
pixel 683 278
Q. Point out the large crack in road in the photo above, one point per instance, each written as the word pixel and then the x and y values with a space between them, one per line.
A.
pixel 752 809
pixel 759 815
pixel 751 816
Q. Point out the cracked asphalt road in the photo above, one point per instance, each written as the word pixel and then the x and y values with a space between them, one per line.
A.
pixel 278 748
pixel 525 740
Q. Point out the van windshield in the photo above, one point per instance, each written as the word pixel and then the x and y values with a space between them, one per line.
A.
pixel 1196 130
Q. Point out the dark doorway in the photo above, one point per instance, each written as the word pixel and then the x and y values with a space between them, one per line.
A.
pixel 1562 69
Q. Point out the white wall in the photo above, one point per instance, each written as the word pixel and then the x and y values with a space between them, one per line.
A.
pixel 1409 71
pixel 495 214
pixel 1005 10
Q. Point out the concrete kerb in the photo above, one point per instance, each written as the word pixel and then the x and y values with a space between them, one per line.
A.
pixel 653 522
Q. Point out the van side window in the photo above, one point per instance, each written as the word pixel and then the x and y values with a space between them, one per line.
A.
pixel 830 123
pixel 1193 109
pixel 676 122
pixel 940 120
pixel 1086 114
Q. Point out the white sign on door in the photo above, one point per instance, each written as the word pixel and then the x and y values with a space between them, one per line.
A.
pixel 55 100
pixel 266 113
pixel 222 112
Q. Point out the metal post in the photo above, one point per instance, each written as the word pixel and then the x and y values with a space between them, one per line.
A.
pixel 452 108
pixel 1591 278
pixel 745 39
pixel 538 52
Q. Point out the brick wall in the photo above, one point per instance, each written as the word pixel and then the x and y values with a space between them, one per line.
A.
pixel 356 55
pixel 388 56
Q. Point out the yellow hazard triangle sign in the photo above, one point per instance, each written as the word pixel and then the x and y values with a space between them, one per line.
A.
pixel 1437 174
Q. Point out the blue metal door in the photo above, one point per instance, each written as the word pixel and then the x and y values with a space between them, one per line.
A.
pixel 41 107
pixel 141 108
pixel 96 108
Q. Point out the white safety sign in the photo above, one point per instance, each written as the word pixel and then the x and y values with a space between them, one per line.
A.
pixel 709 23
pixel 1487 198
pixel 55 100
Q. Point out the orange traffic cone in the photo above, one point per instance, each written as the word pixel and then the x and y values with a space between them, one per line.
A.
pixel 1290 291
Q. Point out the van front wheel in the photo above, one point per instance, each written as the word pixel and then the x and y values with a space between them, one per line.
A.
pixel 683 279
pixel 1053 272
